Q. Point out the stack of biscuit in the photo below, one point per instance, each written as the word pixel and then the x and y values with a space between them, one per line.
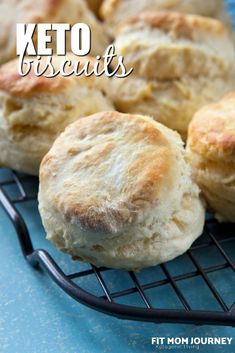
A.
pixel 181 62
pixel 46 11
pixel 117 187
pixel 35 110
pixel 115 12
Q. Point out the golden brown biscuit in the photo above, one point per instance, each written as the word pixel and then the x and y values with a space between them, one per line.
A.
pixel 115 12
pixel 181 62
pixel 46 11
pixel 34 110
pixel 211 152
pixel 167 46
pixel 115 190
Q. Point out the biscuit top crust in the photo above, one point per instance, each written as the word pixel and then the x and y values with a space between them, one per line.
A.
pixel 109 7
pixel 25 87
pixel 168 46
pixel 184 25
pixel 212 130
pixel 14 84
pixel 116 11
pixel 106 170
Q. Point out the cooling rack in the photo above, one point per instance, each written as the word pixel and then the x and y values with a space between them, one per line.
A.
pixel 203 270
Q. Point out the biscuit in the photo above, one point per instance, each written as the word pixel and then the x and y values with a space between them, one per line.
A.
pixel 116 191
pixel 211 152
pixel 34 110
pixel 180 62
pixel 173 103
pixel 46 11
pixel 115 12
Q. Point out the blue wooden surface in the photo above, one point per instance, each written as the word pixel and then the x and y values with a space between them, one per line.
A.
pixel 37 317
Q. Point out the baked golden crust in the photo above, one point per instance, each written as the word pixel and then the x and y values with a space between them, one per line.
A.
pixel 115 190
pixel 168 46
pixel 212 130
pixel 14 84
pixel 182 25
pixel 142 180
pixel 171 102
pixel 115 12
pixel 211 152
pixel 180 63
pixel 34 110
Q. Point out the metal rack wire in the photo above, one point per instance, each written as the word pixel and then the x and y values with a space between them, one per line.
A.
pixel 220 237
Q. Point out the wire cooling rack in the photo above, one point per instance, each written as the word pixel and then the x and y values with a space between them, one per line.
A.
pixel 195 280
